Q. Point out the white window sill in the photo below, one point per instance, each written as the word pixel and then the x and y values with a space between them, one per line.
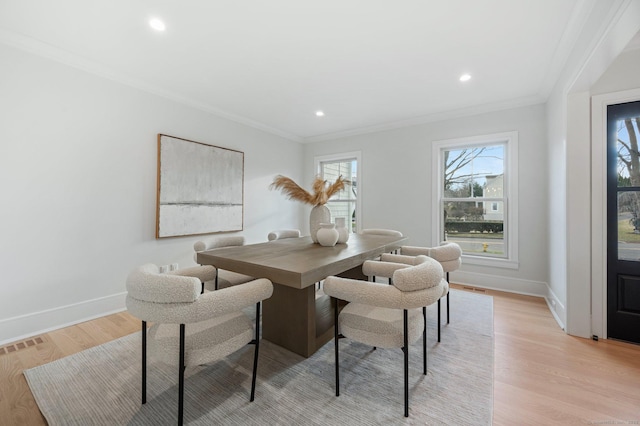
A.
pixel 490 261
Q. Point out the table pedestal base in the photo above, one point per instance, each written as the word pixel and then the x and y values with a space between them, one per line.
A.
pixel 298 320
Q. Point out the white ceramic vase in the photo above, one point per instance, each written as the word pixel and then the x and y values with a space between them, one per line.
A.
pixel 343 232
pixel 327 235
pixel 319 214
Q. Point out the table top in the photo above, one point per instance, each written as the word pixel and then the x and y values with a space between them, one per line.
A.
pixel 298 262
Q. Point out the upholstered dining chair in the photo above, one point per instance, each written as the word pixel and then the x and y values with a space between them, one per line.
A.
pixel 189 327
pixel 387 316
pixel 223 278
pixel 448 253
pixel 283 233
pixel 381 231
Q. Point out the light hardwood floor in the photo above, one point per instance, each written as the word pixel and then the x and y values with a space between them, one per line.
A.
pixel 542 376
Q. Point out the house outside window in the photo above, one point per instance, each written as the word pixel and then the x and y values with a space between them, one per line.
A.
pixel 346 202
pixel 475 184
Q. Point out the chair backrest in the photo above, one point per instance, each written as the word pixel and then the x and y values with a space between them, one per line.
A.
pixel 147 284
pixel 283 233
pixel 377 231
pixel 449 254
pixel 216 242
pixel 425 274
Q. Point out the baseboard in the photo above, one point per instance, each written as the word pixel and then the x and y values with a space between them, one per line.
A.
pixel 23 326
pixel 496 282
pixel 514 285
pixel 558 310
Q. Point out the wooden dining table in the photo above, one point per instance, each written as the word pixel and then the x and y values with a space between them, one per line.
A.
pixel 297 317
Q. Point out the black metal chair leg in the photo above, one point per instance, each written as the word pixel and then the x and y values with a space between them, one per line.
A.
pixel 438 320
pixel 449 282
pixel 255 356
pixel 424 341
pixel 144 362
pixel 181 378
pixel 447 307
pixel 336 338
pixel 406 364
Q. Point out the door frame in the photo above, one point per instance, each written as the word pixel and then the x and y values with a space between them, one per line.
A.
pixel 599 104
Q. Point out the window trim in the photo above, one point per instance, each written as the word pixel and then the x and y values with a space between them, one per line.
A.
pixel 510 139
pixel 341 157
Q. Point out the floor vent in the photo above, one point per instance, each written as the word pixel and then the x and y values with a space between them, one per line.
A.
pixel 479 290
pixel 17 346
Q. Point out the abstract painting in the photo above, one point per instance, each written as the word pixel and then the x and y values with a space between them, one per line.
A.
pixel 200 188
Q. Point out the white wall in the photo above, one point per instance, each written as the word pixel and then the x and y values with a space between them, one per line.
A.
pixel 557 207
pixel 622 74
pixel 395 187
pixel 78 165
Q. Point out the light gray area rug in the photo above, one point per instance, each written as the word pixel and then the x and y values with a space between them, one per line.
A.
pixel 101 386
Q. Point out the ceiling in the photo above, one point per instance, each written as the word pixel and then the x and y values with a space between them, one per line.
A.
pixel 368 64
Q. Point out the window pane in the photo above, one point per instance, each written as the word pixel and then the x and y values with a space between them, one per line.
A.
pixel 629 225
pixel 346 210
pixel 628 161
pixel 472 172
pixel 348 170
pixel 476 226
pixel 342 204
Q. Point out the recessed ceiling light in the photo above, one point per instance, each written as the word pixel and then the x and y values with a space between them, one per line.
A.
pixel 465 77
pixel 157 24
pixel 319 113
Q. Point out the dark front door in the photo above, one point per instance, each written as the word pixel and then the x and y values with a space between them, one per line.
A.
pixel 623 221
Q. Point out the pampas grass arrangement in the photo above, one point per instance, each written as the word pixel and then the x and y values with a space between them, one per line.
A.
pixel 321 190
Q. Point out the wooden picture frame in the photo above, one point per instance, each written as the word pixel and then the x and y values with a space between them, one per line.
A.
pixel 200 188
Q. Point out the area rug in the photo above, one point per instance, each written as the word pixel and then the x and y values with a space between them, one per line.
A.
pixel 101 385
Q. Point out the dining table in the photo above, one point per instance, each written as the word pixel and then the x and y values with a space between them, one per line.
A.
pixel 297 316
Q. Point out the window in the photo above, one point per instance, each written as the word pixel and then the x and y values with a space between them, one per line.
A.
pixel 475 185
pixel 345 203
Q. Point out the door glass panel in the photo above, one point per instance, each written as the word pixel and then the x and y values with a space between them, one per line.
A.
pixel 628 161
pixel 629 225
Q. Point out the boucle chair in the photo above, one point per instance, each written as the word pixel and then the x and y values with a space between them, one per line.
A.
pixel 189 327
pixel 283 233
pixel 223 278
pixel 449 255
pixel 380 231
pixel 387 316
